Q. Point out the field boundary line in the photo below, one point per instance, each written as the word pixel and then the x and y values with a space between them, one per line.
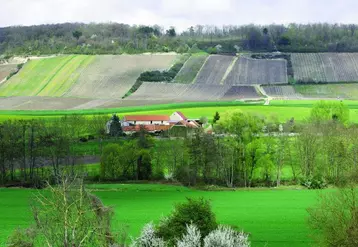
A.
pixel 83 65
pixel 228 70
pixel 53 76
pixel 263 92
pixel 197 75
pixel 181 67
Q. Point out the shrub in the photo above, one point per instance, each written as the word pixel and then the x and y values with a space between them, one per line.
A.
pixel 226 237
pixel 197 212
pixel 192 238
pixel 148 238
pixel 212 50
pixel 22 238
pixel 334 220
pixel 314 183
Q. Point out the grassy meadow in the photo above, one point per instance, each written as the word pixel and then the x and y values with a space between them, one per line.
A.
pixel 272 217
pixel 281 109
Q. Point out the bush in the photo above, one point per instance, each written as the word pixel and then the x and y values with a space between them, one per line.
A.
pixel 212 50
pixel 334 220
pixel 22 238
pixel 192 238
pixel 226 237
pixel 314 183
pixel 148 238
pixel 197 212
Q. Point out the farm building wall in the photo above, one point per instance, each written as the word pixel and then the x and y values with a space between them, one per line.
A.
pixel 175 117
pixel 148 122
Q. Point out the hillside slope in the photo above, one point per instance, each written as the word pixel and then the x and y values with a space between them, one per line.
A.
pixel 113 76
pixel 325 67
pixel 46 77
pixel 83 76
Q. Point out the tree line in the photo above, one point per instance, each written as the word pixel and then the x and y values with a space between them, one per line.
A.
pixel 116 38
pixel 245 150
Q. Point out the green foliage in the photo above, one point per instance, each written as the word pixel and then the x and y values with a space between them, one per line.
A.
pixel 111 162
pixel 195 49
pixel 216 117
pixel 86 221
pixel 162 76
pixel 54 39
pixel 171 32
pixel 115 127
pixel 22 238
pixel 77 34
pixel 212 50
pixel 334 220
pixel 194 211
pixel 314 182
pixel 325 111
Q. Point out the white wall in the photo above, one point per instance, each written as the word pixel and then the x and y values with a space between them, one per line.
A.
pixel 148 122
pixel 176 117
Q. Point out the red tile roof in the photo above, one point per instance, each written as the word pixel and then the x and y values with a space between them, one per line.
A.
pixel 146 118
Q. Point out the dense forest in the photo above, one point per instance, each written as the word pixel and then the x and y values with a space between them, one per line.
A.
pixel 115 38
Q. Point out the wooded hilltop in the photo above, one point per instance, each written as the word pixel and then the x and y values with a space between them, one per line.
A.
pixel 116 38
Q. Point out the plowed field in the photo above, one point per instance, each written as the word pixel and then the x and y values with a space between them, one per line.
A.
pixel 214 69
pixel 325 67
pixel 258 71
pixel 113 76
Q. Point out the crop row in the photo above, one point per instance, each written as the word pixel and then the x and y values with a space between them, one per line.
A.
pixel 192 92
pixel 325 67
pixel 258 71
pixel 282 92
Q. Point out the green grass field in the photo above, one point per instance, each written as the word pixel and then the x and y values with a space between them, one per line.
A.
pixel 46 77
pixel 282 109
pixel 272 217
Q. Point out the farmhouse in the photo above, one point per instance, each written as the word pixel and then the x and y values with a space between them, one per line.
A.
pixel 157 123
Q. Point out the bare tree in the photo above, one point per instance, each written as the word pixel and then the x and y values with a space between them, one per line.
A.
pixel 70 216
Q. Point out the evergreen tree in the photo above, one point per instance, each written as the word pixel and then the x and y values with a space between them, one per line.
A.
pixel 115 128
pixel 216 117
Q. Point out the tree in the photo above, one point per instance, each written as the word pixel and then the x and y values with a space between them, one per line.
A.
pixel 265 31
pixel 110 162
pixel 171 32
pixel 216 117
pixel 334 220
pixel 77 34
pixel 197 212
pixel 244 128
pixel 325 111
pixel 68 215
pixel 115 128
pixel 284 41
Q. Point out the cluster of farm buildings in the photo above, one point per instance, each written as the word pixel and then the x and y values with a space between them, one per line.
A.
pixel 156 123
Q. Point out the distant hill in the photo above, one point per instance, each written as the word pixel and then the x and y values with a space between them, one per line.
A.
pixel 115 38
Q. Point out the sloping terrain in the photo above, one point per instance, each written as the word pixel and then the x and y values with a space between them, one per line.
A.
pixel 113 76
pixel 46 77
pixel 258 71
pixel 344 91
pixel 325 67
pixel 241 92
pixel 214 69
pixel 193 92
pixel 282 92
pixel 5 70
pixel 175 91
pixel 190 69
